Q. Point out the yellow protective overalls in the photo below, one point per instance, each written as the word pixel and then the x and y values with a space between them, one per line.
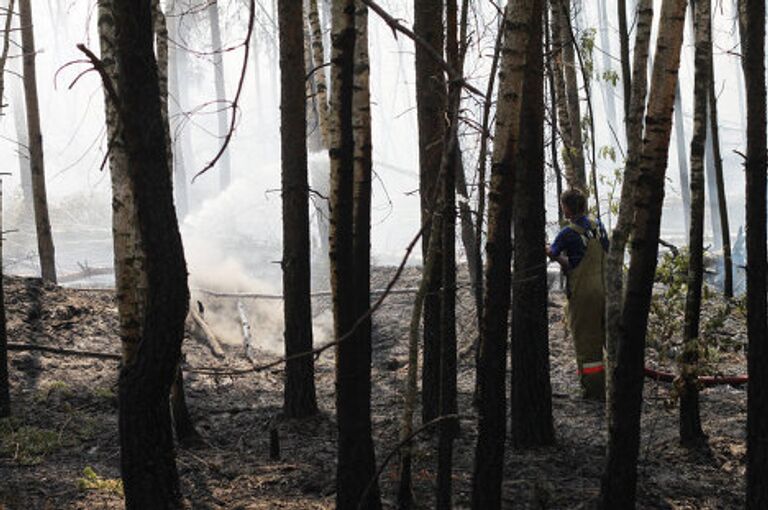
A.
pixel 586 312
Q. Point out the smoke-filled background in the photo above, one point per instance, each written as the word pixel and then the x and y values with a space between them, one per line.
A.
pixel 232 236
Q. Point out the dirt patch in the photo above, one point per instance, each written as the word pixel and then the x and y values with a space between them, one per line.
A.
pixel 64 429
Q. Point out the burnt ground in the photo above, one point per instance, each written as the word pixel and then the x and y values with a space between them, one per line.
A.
pixel 65 422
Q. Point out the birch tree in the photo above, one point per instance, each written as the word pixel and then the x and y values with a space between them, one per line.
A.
pixel 489 453
pixel 356 458
pixel 147 455
pixel 221 94
pixel 620 475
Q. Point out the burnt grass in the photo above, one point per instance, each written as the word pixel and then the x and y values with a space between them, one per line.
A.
pixel 65 421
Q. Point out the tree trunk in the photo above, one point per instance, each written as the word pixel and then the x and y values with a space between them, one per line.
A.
pixel 722 204
pixel 576 147
pixel 605 42
pixel 626 75
pixel 548 49
pixel 531 392
pixel 147 454
pixel 489 453
pixel 431 111
pixel 221 94
pixel 175 109
pixel 356 459
pixel 752 16
pixel 620 475
pixel 614 264
pixel 563 114
pixel 5 389
pixel 45 247
pixel 318 61
pixel 299 392
pixel 682 159
pixel 691 433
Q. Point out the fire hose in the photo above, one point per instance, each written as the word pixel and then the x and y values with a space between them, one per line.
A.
pixel 705 380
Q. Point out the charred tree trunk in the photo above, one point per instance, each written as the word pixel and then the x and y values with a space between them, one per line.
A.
pixel 45 247
pixel 620 476
pixel 691 433
pixel 299 392
pixel 431 110
pixel 531 393
pixel 626 74
pixel 722 203
pixel 614 264
pixel 356 459
pixel 563 114
pixel 221 94
pixel 5 389
pixel 147 455
pixel 489 453
pixel 752 16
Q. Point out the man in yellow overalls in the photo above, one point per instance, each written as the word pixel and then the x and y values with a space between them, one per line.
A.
pixel 580 249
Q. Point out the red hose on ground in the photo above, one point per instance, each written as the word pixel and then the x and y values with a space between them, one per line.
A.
pixel 705 380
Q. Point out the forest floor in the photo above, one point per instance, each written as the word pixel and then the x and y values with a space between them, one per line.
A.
pixel 60 449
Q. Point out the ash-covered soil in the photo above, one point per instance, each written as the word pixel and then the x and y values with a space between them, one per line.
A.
pixel 60 451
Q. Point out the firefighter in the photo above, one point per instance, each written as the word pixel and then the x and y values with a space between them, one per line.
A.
pixel 580 249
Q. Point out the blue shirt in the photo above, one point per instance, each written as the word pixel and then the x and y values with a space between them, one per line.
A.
pixel 569 241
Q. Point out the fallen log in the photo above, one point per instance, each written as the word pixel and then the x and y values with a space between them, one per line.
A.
pixel 85 273
pixel 707 381
pixel 207 332
pixel 65 352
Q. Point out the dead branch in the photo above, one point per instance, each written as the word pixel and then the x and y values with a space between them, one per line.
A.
pixel 208 333
pixel 65 352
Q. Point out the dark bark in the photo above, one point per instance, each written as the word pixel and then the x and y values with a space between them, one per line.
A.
pixel 147 454
pixel 356 460
pixel 299 391
pixel 45 246
pixel 722 204
pixel 553 115
pixel 691 433
pixel 489 453
pixel 183 426
pixel 753 43
pixel 531 392
pixel 449 428
pixel 431 110
pixel 619 481
pixel 5 393
pixel 626 73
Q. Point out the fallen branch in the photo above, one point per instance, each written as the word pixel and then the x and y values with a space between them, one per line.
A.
pixel 208 333
pixel 705 380
pixel 65 352
pixel 279 297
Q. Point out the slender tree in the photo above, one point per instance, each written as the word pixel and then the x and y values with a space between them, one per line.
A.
pixel 431 111
pixel 531 392
pixel 174 108
pixel 620 476
pixel 45 247
pixel 626 73
pixel 356 459
pixel 489 453
pixel 562 13
pixel 221 94
pixel 752 14
pixel 614 265
pixel 722 203
pixel 682 158
pixel 299 395
pixel 5 396
pixel 146 440
pixel 691 433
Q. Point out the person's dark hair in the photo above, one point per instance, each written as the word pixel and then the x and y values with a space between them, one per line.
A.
pixel 575 200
